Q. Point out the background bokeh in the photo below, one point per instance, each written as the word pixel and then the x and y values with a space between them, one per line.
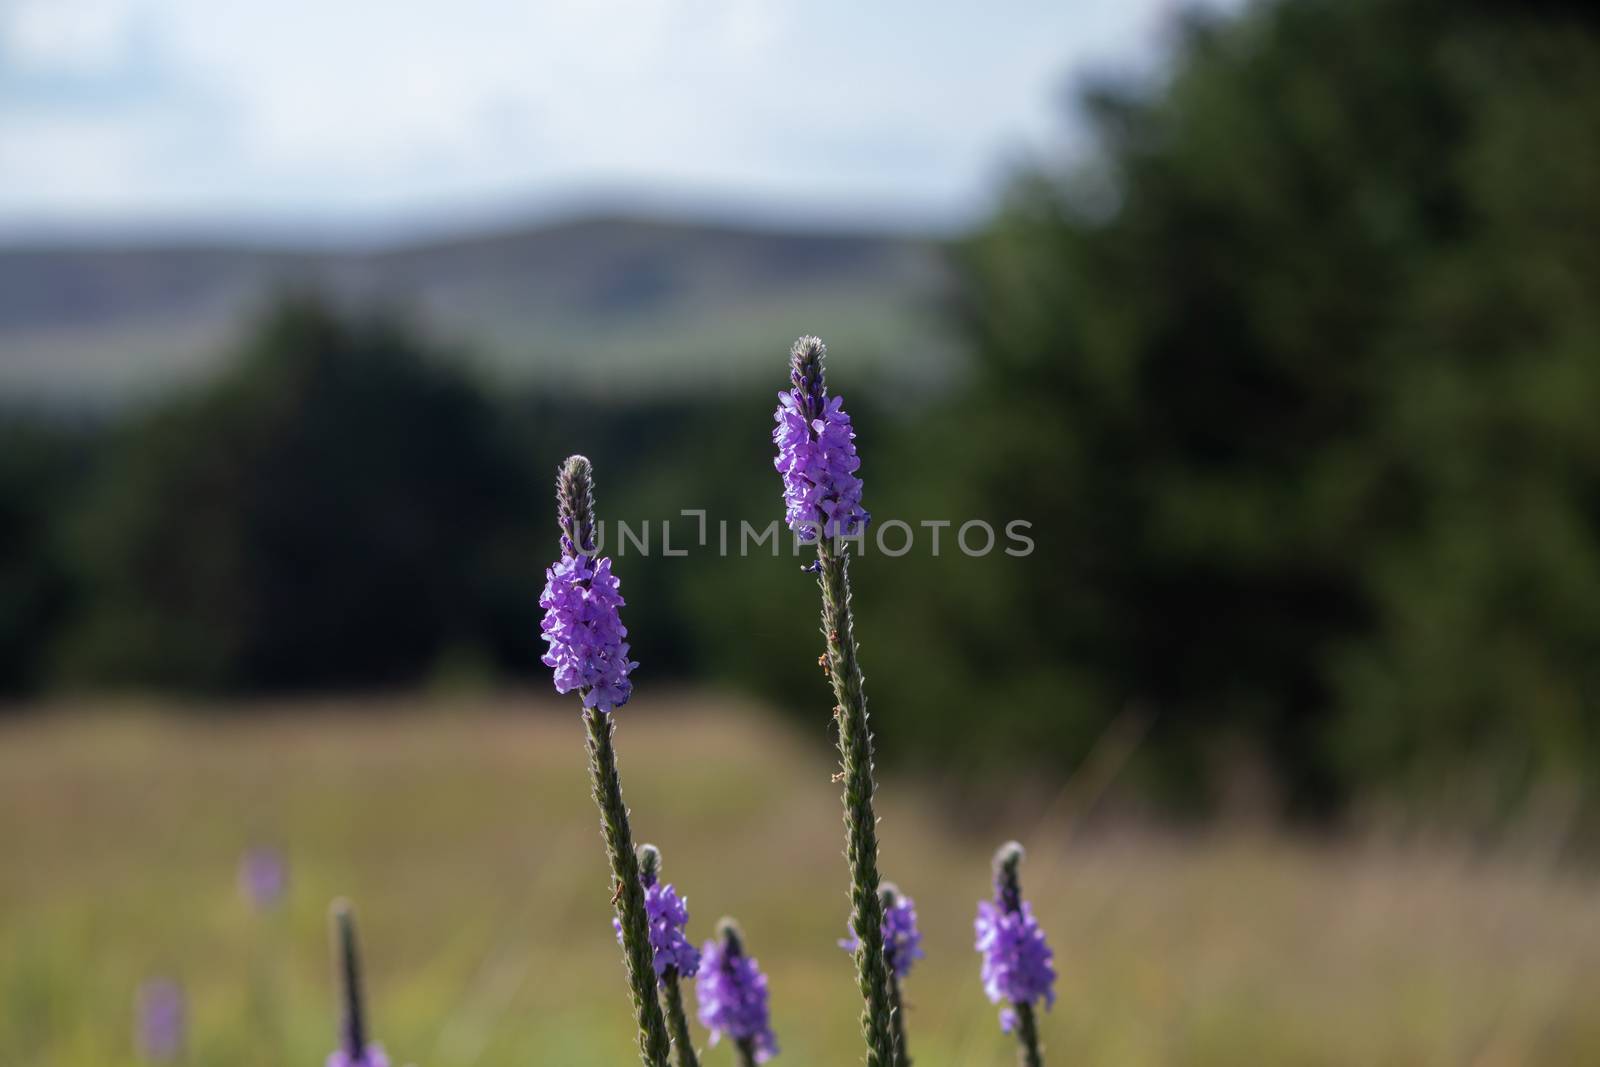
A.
pixel 1281 332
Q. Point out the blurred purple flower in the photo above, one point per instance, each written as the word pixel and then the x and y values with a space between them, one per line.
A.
pixel 816 453
pixel 162 1015
pixel 263 876
pixel 732 995
pixel 373 1057
pixel 584 630
pixel 902 941
pixel 668 915
pixel 1018 966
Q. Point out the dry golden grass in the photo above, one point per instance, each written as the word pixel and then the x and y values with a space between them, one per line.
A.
pixel 463 831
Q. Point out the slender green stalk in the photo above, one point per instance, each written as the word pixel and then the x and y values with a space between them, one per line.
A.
pixel 654 1043
pixel 861 823
pixel 902 1050
pixel 352 1022
pixel 747 1052
pixel 678 1020
pixel 1027 1037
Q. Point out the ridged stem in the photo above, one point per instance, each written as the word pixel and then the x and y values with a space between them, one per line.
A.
pixel 861 823
pixel 902 1050
pixel 654 1043
pixel 678 1019
pixel 1027 1037
pixel 1008 891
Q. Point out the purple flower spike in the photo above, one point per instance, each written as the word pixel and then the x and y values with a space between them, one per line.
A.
pixel 162 1020
pixel 581 621
pixel 585 633
pixel 263 877
pixel 732 993
pixel 902 941
pixel 1018 965
pixel 816 453
pixel 668 915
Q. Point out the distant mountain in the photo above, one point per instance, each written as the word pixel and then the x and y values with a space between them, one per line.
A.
pixel 607 306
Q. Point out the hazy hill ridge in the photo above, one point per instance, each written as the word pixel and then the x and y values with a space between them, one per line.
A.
pixel 603 305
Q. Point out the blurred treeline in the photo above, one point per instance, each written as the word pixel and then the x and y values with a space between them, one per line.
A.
pixel 1297 378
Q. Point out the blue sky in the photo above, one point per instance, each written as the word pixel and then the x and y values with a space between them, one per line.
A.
pixel 373 113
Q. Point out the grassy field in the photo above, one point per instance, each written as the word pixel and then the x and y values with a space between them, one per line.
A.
pixel 463 831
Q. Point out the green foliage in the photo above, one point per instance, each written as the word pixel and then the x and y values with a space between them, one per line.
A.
pixel 42 466
pixel 1299 378
pixel 330 513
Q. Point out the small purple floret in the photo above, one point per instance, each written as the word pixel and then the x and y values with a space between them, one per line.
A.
pixel 585 633
pixel 263 876
pixel 902 941
pixel 373 1057
pixel 732 994
pixel 162 1020
pixel 817 458
pixel 668 915
pixel 1018 966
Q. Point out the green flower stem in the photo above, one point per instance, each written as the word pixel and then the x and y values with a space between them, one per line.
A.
pixel 902 1050
pixel 654 1044
pixel 747 1051
pixel 353 1024
pixel 682 1040
pixel 861 823
pixel 1027 1037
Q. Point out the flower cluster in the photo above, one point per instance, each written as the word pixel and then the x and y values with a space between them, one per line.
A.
pixel 817 454
pixel 1018 966
pixel 668 914
pixel 582 626
pixel 374 1056
pixel 902 941
pixel 732 994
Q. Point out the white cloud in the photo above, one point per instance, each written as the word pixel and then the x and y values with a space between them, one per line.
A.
pixel 284 107
pixel 67 35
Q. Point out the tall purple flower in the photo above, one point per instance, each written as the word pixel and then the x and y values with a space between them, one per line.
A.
pixel 816 453
pixel 668 914
pixel 263 876
pixel 816 456
pixel 161 1015
pixel 354 1050
pixel 587 651
pixel 1018 966
pixel 732 994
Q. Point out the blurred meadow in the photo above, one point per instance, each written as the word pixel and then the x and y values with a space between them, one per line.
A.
pixel 462 827
pixel 1269 330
